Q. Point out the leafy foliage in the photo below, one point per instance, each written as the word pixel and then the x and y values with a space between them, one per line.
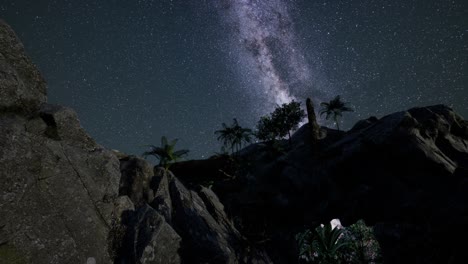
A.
pixel 363 247
pixel 322 245
pixel 234 136
pixel 335 109
pixel 166 153
pixel 355 244
pixel 266 129
pixel 281 122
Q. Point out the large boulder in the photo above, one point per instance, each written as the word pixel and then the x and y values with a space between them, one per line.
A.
pixel 144 236
pixel 208 235
pixel 57 185
pixel 206 240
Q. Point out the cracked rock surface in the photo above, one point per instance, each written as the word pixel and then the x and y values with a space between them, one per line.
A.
pixel 169 223
pixel 57 186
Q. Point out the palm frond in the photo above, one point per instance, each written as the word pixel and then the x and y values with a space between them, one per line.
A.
pixel 148 146
pixel 165 153
pixel 324 104
pixel 174 141
pixel 347 109
pixel 323 111
pixel 181 153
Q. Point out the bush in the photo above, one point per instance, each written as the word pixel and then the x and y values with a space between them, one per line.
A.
pixel 327 244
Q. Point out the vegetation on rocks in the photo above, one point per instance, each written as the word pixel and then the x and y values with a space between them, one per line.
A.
pixel 234 136
pixel 281 122
pixel 166 153
pixel 328 244
pixel 335 109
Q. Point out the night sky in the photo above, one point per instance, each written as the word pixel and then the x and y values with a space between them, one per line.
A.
pixel 137 70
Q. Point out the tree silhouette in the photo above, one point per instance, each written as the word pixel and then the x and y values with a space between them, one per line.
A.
pixel 234 136
pixel 266 129
pixel 287 118
pixel 241 135
pixel 335 109
pixel 165 153
pixel 281 122
pixel 226 136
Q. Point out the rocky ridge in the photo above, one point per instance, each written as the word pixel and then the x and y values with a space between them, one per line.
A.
pixel 57 185
pixel 405 174
pixel 66 199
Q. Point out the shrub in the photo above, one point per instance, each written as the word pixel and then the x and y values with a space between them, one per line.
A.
pixel 327 244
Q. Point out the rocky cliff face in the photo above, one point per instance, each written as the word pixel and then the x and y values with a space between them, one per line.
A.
pixel 66 199
pixel 57 185
pixel 405 174
pixel 172 224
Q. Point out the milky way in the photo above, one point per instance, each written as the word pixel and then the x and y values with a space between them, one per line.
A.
pixel 137 70
pixel 267 50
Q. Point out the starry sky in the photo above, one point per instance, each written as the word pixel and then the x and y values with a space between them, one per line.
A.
pixel 137 70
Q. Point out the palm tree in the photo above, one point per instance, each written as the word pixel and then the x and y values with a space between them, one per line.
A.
pixel 226 136
pixel 234 136
pixel 335 108
pixel 241 135
pixel 165 153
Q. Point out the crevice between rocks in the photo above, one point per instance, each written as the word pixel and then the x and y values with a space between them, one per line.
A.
pixel 101 217
pixel 51 130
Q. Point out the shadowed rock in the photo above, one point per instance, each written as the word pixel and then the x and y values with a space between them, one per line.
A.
pixel 57 186
pixel 404 173
pixel 135 180
pixel 174 224
pixel 148 238
pixel 162 199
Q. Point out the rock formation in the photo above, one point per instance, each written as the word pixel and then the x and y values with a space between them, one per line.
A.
pixel 57 185
pixel 66 199
pixel 172 223
pixel 313 125
pixel 405 174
